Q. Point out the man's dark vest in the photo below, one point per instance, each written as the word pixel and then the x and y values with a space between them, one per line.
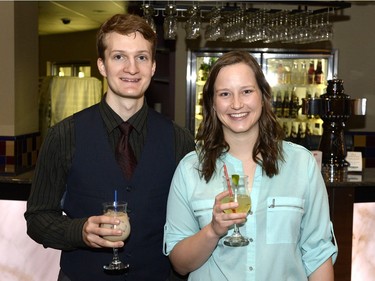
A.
pixel 92 180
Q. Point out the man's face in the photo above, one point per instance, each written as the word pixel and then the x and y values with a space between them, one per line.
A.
pixel 128 65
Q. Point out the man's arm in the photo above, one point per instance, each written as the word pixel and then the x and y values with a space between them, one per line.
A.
pixel 46 223
pixel 184 142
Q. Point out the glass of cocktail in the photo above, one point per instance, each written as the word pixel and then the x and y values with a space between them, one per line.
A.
pixel 239 192
pixel 118 210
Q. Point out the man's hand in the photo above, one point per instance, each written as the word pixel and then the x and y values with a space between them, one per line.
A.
pixel 93 234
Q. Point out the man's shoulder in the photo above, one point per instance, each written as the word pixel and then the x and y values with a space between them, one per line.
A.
pixel 184 135
pixel 181 129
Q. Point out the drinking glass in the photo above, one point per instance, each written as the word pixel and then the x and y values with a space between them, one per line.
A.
pixel 240 194
pixel 148 15
pixel 213 29
pixel 193 23
pixel 170 22
pixel 117 210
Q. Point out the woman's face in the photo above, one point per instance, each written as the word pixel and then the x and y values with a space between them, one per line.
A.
pixel 237 99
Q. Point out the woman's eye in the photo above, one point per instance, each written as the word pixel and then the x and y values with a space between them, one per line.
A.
pixel 247 92
pixel 224 94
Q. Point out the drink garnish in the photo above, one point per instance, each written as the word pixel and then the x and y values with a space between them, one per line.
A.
pixel 235 179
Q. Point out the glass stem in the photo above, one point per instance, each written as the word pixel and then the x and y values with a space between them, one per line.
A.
pixel 115 258
pixel 236 230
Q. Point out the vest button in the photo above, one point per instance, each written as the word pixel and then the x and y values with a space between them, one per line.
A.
pixel 128 188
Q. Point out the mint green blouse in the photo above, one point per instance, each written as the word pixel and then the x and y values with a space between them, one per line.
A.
pixel 288 226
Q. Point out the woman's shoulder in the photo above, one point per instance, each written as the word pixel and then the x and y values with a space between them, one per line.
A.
pixel 293 150
pixel 292 147
pixel 191 158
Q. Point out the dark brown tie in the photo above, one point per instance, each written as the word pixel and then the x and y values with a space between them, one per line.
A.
pixel 124 153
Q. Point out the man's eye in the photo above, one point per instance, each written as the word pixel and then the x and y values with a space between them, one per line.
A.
pixel 117 57
pixel 142 58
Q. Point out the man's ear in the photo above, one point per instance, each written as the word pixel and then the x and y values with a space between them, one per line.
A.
pixel 101 67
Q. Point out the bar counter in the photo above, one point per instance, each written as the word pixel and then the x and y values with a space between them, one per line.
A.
pixel 16 187
pixel 358 188
pixel 343 196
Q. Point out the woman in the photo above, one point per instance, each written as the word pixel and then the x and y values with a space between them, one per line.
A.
pixel 288 227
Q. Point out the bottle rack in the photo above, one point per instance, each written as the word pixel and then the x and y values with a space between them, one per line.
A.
pixel 287 103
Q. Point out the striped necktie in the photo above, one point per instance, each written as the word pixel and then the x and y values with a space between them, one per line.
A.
pixel 124 153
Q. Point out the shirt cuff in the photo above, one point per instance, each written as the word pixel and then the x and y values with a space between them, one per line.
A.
pixel 74 233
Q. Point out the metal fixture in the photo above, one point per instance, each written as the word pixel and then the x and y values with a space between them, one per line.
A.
pixel 248 21
pixel 334 108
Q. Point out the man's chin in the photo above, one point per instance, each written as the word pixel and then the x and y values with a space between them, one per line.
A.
pixel 131 95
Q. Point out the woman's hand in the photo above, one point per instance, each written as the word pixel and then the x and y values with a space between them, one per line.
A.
pixel 222 221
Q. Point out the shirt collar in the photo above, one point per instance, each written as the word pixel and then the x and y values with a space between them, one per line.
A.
pixel 112 120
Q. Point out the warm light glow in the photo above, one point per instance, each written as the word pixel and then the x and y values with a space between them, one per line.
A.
pixel 271 78
pixel 61 72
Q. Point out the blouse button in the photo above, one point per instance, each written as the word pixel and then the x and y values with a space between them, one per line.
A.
pixel 251 268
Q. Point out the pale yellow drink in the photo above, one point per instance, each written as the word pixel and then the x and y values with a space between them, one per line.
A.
pixel 244 203
pixel 124 226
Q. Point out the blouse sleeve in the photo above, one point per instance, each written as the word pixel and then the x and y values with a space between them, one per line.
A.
pixel 317 236
pixel 180 220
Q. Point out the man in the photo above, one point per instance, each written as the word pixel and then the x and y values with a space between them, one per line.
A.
pixel 77 169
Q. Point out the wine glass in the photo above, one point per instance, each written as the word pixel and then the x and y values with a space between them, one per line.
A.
pixel 193 23
pixel 170 22
pixel 240 194
pixel 117 210
pixel 148 14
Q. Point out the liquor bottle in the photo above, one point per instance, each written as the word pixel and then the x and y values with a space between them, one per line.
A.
pixel 279 105
pixel 295 74
pixel 294 131
pixel 294 106
pixel 302 131
pixel 303 74
pixel 287 74
pixel 308 96
pixel 316 96
pixel 286 104
pixel 287 128
pixel 280 73
pixel 274 103
pixel 318 73
pixel 310 73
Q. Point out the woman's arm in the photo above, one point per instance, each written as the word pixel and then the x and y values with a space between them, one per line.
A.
pixel 192 252
pixel 323 272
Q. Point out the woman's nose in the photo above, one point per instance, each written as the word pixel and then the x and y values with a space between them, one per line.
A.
pixel 237 102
